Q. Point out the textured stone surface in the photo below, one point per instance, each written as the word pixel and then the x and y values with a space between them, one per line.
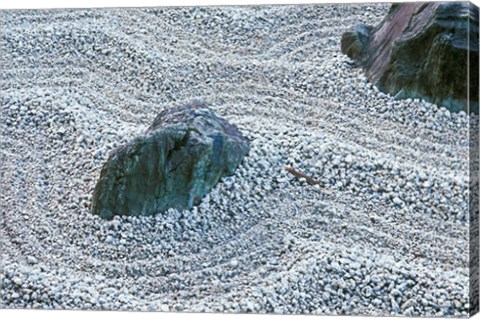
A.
pixel 355 42
pixel 421 50
pixel 180 158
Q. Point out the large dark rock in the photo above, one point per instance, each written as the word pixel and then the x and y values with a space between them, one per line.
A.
pixel 180 158
pixel 422 50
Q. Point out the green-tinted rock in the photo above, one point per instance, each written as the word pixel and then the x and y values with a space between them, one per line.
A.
pixel 179 159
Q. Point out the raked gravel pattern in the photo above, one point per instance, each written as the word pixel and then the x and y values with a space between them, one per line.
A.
pixel 385 232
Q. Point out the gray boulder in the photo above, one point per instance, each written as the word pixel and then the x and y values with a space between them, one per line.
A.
pixel 178 160
pixel 425 50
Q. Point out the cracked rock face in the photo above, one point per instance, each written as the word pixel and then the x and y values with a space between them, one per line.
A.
pixel 181 157
pixel 422 50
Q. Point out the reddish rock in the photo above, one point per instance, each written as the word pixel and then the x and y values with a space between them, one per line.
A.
pixel 423 50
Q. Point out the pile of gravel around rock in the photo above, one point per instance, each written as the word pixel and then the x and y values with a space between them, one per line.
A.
pixel 385 230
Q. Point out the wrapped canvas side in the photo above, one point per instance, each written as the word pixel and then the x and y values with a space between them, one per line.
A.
pixel 474 167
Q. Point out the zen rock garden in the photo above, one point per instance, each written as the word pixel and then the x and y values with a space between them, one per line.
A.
pixel 325 173
pixel 418 50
